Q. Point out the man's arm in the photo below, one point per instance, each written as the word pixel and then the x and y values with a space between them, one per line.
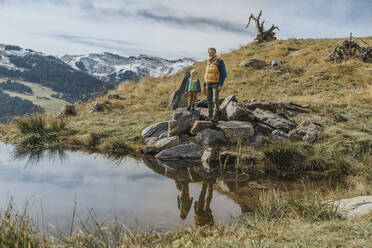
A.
pixel 223 74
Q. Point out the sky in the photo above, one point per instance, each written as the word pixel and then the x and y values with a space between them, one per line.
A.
pixel 171 28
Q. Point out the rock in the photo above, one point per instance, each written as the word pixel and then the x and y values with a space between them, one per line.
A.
pixel 274 64
pixel 263 128
pixel 210 154
pixel 178 98
pixel 353 207
pixel 162 144
pixel 200 125
pixel 224 104
pixel 237 112
pixel 276 107
pixel 254 63
pixel 97 107
pixel 274 120
pixel 115 96
pixel 185 151
pixel 199 138
pixel 278 135
pixel 67 110
pixel 204 113
pixel 212 137
pixel 150 141
pixel 307 131
pixel 163 135
pixel 257 142
pixel 236 129
pixel 173 127
pixel 204 104
pixel 185 119
pixel 155 130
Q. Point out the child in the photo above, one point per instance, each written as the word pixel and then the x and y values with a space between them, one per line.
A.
pixel 192 89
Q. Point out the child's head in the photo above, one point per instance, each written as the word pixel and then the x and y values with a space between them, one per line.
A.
pixel 193 73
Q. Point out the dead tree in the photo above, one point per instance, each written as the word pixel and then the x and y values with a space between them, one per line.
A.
pixel 262 35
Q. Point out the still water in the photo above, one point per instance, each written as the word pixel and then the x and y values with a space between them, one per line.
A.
pixel 141 194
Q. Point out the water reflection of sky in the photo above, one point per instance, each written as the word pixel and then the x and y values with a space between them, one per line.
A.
pixel 133 191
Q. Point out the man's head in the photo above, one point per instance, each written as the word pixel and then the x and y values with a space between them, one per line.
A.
pixel 212 52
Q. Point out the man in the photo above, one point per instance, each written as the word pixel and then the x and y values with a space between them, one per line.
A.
pixel 215 75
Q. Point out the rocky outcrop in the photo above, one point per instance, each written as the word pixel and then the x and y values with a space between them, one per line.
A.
pixel 306 131
pixel 276 107
pixel 224 104
pixel 278 135
pixel 68 110
pixel 236 129
pixel 178 98
pixel 185 120
pixel 353 207
pixel 211 137
pixel 235 111
pixel 274 64
pixel 253 63
pixel 274 120
pixel 200 125
pixel 161 144
pixel 156 130
pixel 115 97
pixel 186 151
pixel 97 107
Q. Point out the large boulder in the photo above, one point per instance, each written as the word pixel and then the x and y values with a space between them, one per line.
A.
pixel 276 106
pixel 97 107
pixel 353 207
pixel 254 63
pixel 161 144
pixel 306 131
pixel 200 125
pixel 236 129
pixel 185 119
pixel 237 112
pixel 224 104
pixel 67 110
pixel 155 130
pixel 274 120
pixel 185 151
pixel 278 135
pixel 274 64
pixel 178 98
pixel 212 137
pixel 204 104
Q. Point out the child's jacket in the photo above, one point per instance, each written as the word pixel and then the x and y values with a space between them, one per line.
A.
pixel 193 85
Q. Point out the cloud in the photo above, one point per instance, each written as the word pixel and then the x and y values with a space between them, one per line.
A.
pixel 194 22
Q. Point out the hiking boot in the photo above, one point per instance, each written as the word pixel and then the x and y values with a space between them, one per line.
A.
pixel 193 108
pixel 188 108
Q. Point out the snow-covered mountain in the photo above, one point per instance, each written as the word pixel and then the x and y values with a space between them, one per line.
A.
pixel 110 67
pixel 7 51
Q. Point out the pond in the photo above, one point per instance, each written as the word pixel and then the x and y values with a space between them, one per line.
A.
pixel 142 194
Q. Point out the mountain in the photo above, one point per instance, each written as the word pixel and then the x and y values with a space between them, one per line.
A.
pixel 114 68
pixel 48 71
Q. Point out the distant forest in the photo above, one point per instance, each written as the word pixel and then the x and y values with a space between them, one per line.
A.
pixel 15 106
pixel 16 87
pixel 53 73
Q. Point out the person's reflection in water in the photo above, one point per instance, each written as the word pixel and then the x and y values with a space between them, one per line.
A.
pixel 203 212
pixel 184 201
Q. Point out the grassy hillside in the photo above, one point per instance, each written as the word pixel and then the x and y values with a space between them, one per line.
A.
pixel 42 96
